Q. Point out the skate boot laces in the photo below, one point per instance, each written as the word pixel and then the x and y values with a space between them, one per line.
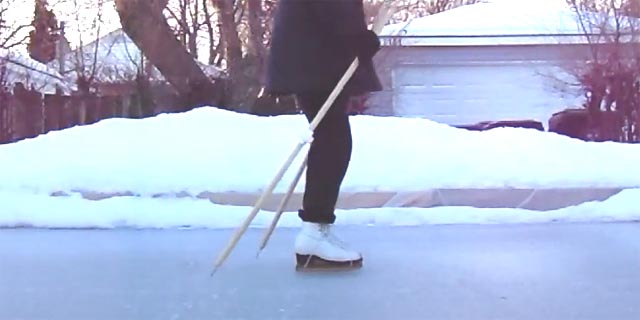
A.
pixel 325 230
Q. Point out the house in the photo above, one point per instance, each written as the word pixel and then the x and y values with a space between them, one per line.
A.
pixel 489 61
pixel 19 69
pixel 112 62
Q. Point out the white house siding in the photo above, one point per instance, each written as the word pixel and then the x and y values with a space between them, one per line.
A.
pixel 20 68
pixel 463 85
pixel 117 59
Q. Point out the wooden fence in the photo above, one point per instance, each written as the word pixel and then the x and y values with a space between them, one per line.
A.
pixel 27 114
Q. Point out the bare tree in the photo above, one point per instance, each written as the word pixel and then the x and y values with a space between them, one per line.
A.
pixel 215 54
pixel 228 28
pixel 242 30
pixel 415 8
pixel 85 60
pixel 145 24
pixel 12 33
pixel 610 78
pixel 189 18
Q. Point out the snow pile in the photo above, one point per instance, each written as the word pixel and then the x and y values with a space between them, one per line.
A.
pixel 213 150
pixel 31 73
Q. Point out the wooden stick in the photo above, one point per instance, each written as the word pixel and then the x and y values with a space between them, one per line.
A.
pixel 256 208
pixel 281 206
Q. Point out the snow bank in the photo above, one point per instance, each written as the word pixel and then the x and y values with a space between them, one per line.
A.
pixel 26 210
pixel 213 150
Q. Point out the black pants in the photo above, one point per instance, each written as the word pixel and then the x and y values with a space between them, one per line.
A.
pixel 329 157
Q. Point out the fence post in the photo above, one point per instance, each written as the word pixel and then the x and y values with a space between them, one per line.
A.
pixel 36 109
pixel 126 106
pixel 65 112
pixel 82 111
pixel 110 103
pixel 54 112
pixel 5 116
pixel 20 119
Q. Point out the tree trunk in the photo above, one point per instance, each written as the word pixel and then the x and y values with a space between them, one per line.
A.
pixel 212 40
pixel 256 27
pixel 229 33
pixel 144 23
pixel 195 28
pixel 232 48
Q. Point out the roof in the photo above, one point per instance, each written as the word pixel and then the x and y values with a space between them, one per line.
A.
pixel 31 73
pixel 117 59
pixel 497 22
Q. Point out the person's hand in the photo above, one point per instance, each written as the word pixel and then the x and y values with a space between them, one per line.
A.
pixel 364 45
pixel 370 45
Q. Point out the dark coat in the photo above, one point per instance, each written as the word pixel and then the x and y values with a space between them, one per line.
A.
pixel 310 48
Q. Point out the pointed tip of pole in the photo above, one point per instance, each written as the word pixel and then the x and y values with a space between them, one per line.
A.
pixel 213 272
pixel 258 253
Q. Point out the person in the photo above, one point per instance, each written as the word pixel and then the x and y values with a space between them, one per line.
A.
pixel 313 43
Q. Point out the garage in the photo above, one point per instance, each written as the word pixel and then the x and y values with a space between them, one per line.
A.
pixel 464 93
pixel 489 61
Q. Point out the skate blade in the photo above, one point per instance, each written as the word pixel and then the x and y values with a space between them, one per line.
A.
pixel 311 263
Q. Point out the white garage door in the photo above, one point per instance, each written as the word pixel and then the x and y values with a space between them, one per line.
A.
pixel 470 93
